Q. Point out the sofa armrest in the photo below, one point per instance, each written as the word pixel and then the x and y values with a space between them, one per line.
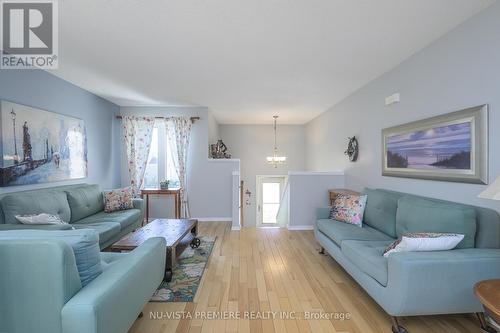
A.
pixel 440 281
pixel 10 226
pixel 323 213
pixel 37 278
pixel 138 203
pixel 112 301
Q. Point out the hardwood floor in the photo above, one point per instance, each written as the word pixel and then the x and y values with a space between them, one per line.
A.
pixel 280 271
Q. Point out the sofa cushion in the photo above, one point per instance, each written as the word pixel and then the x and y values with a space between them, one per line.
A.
pixel 381 208
pixel 106 230
pixel 118 199
pixel 21 203
pixel 367 256
pixel 422 215
pixel 349 208
pixel 85 245
pixel 340 231
pixel 84 201
pixel 124 217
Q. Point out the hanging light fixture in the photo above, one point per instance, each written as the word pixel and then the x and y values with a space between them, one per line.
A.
pixel 275 160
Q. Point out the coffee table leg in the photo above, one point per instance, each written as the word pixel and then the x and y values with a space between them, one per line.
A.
pixel 168 274
pixel 169 263
pixel 194 230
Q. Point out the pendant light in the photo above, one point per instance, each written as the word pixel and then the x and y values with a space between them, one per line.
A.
pixel 275 160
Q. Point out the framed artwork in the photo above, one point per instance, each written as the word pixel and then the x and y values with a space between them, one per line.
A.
pixel 452 147
pixel 38 146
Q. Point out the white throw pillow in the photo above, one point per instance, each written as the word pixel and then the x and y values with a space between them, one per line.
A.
pixel 424 241
pixel 42 218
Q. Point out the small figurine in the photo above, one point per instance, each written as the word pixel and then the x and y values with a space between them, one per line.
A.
pixel 218 150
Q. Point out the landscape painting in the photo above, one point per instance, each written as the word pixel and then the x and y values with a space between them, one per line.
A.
pixel 39 146
pixel 451 147
pixel 446 147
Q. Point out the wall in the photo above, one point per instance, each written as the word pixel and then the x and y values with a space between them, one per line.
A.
pixel 458 71
pixel 209 181
pixel 252 144
pixel 213 129
pixel 308 191
pixel 40 89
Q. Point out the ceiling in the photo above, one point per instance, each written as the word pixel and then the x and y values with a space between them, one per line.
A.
pixel 245 60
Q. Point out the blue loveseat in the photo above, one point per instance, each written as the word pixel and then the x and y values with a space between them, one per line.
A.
pixel 415 283
pixel 81 205
pixel 40 286
pixel 41 290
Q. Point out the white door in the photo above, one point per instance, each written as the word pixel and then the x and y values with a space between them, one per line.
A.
pixel 269 192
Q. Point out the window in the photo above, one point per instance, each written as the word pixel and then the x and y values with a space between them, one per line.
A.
pixel 160 165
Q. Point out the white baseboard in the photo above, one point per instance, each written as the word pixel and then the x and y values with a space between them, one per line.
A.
pixel 235 228
pixel 300 227
pixel 213 219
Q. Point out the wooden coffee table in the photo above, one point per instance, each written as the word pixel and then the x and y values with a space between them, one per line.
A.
pixel 178 233
pixel 488 292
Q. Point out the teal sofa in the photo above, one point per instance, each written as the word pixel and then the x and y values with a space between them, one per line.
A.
pixel 41 291
pixel 81 205
pixel 415 283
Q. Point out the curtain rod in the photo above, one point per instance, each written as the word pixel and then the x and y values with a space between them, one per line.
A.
pixel 193 119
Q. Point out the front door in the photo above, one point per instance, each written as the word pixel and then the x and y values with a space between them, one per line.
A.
pixel 269 192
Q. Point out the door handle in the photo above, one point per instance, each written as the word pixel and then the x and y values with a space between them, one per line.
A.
pixel 258 208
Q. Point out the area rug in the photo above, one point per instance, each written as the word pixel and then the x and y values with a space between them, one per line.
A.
pixel 187 274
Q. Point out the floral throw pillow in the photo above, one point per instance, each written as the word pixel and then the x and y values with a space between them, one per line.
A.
pixel 424 241
pixel 349 208
pixel 119 199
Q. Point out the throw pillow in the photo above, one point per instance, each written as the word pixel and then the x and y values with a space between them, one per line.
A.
pixel 424 241
pixel 84 242
pixel 40 219
pixel 119 199
pixel 349 209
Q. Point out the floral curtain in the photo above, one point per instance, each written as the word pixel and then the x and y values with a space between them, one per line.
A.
pixel 178 134
pixel 137 132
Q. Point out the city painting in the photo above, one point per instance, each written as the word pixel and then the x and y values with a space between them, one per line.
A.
pixel 39 146
pixel 451 147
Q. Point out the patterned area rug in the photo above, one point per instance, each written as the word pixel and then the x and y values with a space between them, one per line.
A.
pixel 186 274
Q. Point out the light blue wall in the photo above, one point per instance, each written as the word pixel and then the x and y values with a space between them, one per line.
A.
pixel 460 70
pixel 209 181
pixel 252 144
pixel 43 90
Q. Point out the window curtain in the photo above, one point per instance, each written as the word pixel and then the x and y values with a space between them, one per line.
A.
pixel 178 134
pixel 137 132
